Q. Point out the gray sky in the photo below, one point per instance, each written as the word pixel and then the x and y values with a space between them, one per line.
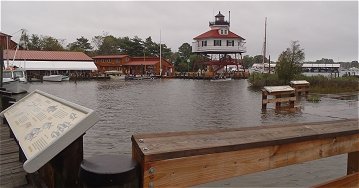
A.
pixel 323 29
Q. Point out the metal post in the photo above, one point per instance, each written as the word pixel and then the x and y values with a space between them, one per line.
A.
pixel 1 65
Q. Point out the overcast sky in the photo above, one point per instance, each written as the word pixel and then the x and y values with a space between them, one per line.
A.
pixel 323 29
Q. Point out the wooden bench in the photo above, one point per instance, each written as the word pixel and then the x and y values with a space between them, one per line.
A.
pixel 280 94
pixel 300 86
pixel 182 159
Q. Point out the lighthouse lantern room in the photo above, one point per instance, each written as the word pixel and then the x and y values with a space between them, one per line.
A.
pixel 220 44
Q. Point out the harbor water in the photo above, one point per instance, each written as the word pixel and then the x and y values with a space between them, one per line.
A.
pixel 162 105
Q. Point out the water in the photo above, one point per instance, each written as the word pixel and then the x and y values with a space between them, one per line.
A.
pixel 130 107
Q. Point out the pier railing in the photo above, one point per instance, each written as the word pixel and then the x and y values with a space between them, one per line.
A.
pixel 182 159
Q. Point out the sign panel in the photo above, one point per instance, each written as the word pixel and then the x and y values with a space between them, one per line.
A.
pixel 44 125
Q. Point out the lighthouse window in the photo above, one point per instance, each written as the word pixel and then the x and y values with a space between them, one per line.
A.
pixel 230 42
pixel 217 42
pixel 204 43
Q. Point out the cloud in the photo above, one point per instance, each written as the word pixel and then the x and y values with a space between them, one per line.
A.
pixel 324 29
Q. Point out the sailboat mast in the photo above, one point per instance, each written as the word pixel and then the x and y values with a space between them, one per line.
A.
pixel 265 41
pixel 160 56
pixel 7 51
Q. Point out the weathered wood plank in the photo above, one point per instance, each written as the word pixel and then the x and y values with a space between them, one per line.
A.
pixel 351 180
pixel 14 180
pixel 194 170
pixel 8 146
pixel 12 173
pixel 284 99
pixel 353 162
pixel 174 145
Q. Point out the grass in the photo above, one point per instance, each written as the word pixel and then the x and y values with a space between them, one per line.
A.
pixel 318 84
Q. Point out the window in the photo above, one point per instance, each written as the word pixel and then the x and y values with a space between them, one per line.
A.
pixel 217 42
pixel 221 32
pixel 230 42
pixel 204 43
pixel 225 32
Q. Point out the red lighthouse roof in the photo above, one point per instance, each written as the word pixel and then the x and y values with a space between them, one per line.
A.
pixel 215 34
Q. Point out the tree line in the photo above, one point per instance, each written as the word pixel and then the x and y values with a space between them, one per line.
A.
pixel 184 60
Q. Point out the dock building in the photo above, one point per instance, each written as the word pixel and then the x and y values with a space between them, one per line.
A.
pixel 133 65
pixel 40 63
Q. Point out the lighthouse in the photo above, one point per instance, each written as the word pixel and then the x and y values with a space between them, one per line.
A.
pixel 221 45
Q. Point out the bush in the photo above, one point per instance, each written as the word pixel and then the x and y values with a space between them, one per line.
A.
pixel 259 80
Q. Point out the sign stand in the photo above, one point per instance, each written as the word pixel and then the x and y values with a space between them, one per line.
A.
pixel 50 132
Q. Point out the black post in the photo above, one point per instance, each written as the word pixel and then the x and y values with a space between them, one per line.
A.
pixel 269 64
pixel 1 65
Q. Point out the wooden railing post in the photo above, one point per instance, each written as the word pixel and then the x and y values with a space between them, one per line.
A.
pixel 353 162
pixel 62 170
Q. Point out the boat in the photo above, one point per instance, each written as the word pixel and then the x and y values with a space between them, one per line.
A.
pixel 53 78
pixel 220 79
pixel 15 82
pixel 65 78
pixel 114 74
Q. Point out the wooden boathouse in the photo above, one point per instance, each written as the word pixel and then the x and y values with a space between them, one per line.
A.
pixel 133 65
pixel 40 63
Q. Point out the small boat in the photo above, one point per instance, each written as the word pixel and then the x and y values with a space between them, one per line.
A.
pixel 15 82
pixel 53 78
pixel 65 78
pixel 220 79
pixel 114 74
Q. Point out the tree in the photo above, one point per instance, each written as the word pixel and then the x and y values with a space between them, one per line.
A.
pixel 51 44
pixel 108 46
pixel 325 61
pixel 289 62
pixel 185 51
pixel 248 61
pixel 81 45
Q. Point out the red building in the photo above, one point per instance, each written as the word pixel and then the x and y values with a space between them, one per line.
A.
pixel 111 62
pixel 133 65
pixel 6 42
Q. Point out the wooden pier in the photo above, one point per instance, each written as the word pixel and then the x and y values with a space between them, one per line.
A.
pixel 210 75
pixel 280 94
pixel 182 159
pixel 12 173
pixel 300 86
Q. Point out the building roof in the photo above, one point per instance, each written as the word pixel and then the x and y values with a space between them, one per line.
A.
pixel 219 14
pixel 215 34
pixel 147 61
pixel 4 35
pixel 46 55
pixel 109 56
pixel 142 63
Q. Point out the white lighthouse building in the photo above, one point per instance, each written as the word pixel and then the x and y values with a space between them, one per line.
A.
pixel 220 44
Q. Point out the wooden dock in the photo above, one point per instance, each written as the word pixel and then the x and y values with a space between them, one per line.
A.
pixel 182 159
pixel 12 173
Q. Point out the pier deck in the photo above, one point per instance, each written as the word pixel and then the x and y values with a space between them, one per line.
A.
pixel 185 159
pixel 12 173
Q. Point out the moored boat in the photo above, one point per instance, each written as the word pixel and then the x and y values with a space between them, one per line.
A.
pixel 14 81
pixel 53 78
pixel 220 79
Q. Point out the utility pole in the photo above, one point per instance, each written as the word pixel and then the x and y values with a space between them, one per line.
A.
pixel 265 41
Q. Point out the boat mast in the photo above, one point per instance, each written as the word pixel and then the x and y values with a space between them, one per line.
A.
pixel 160 56
pixel 265 41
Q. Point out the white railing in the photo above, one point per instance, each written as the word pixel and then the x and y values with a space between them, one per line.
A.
pixel 211 48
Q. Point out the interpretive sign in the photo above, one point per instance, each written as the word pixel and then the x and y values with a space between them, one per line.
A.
pixel 44 125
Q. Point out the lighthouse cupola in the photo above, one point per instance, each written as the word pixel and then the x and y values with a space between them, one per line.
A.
pixel 219 22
